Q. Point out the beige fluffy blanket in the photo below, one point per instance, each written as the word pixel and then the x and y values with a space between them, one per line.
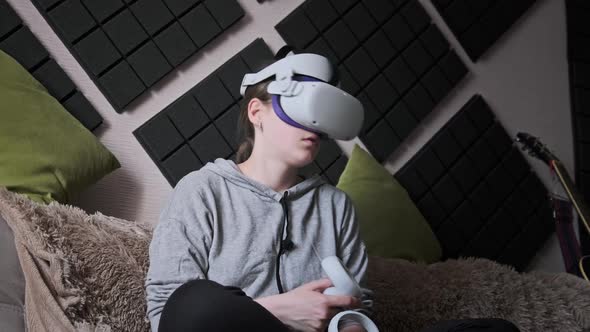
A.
pixel 86 272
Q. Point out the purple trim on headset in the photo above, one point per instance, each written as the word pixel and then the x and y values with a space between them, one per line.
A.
pixel 303 78
pixel 276 104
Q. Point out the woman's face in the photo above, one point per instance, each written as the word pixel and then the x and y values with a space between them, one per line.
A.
pixel 296 146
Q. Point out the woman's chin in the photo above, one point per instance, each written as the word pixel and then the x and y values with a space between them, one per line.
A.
pixel 304 159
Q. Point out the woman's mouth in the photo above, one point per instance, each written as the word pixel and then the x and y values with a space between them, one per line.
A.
pixel 311 140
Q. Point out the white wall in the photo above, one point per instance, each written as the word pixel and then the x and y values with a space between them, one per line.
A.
pixel 523 78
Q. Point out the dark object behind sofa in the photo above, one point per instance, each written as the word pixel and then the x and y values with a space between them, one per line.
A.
pixel 477 191
pixel 19 42
pixel 12 283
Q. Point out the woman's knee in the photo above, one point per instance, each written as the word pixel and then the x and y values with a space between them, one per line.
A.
pixel 198 285
pixel 196 303
pixel 204 305
pixel 498 324
pixel 198 291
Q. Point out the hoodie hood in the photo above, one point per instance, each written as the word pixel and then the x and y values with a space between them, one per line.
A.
pixel 228 169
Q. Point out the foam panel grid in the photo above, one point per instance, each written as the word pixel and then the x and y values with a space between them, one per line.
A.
pixel 578 30
pixel 127 46
pixel 477 191
pixel 201 125
pixel 389 54
pixel 19 42
pixel 479 24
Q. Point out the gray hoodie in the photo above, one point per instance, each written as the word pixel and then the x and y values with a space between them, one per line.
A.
pixel 220 225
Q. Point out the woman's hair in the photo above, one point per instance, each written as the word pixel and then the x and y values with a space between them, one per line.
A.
pixel 245 127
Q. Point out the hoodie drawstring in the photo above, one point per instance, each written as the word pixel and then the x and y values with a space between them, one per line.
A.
pixel 285 244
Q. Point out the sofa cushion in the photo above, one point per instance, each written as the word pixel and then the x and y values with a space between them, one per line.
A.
pixel 107 258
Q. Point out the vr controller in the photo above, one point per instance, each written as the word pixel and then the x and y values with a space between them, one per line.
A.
pixel 344 284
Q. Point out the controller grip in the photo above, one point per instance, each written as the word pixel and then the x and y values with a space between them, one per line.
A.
pixel 334 291
pixel 344 283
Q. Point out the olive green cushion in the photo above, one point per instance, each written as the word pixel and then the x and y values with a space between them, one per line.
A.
pixel 390 223
pixel 45 153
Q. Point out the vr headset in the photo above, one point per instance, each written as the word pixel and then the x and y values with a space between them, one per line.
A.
pixel 305 94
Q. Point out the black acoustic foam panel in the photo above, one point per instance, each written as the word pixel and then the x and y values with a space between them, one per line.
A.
pixel 127 46
pixel 19 42
pixel 389 55
pixel 578 29
pixel 479 24
pixel 201 125
pixel 479 194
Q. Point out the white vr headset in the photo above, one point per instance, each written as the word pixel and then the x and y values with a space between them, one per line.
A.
pixel 303 97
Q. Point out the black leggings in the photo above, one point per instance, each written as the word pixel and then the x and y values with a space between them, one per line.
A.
pixel 205 305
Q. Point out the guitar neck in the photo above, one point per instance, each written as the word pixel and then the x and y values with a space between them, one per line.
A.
pixel 572 193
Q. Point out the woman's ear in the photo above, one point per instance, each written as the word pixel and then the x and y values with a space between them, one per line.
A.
pixel 255 107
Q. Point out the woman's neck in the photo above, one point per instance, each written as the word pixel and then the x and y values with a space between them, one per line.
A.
pixel 274 174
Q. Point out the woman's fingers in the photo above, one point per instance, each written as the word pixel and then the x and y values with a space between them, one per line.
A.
pixel 317 285
pixel 343 301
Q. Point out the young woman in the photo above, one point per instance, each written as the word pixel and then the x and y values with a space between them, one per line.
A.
pixel 238 247
pixel 221 233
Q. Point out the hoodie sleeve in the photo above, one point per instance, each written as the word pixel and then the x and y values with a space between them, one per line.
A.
pixel 353 253
pixel 179 248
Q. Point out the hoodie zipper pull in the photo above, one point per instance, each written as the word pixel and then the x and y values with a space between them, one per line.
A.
pixel 283 244
pixel 286 244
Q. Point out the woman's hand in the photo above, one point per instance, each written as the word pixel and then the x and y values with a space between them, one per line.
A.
pixel 305 308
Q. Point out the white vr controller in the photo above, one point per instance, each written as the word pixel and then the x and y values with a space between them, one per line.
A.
pixel 344 284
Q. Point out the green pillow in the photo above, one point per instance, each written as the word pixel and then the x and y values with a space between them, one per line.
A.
pixel 390 223
pixel 45 153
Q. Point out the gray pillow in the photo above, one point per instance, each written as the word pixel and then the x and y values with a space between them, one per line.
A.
pixel 12 283
pixel 95 266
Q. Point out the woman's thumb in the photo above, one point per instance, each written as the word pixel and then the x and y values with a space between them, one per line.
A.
pixel 317 285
